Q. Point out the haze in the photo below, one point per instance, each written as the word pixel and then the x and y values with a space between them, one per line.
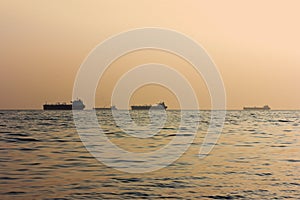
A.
pixel 255 45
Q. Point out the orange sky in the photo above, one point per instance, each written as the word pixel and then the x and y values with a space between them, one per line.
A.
pixel 253 43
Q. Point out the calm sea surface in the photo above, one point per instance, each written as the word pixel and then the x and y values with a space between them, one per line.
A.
pixel 256 157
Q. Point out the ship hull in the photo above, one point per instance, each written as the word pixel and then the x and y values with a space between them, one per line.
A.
pixel 76 105
pixel 148 107
pixel 105 108
pixel 140 107
pixel 61 107
pixel 256 108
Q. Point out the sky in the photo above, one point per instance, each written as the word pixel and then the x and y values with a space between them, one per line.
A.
pixel 255 45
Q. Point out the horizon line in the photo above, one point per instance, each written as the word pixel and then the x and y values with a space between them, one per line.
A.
pixel 40 109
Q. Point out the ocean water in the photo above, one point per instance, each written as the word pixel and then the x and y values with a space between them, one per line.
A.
pixel 257 157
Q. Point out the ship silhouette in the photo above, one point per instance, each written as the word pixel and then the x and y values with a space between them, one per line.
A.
pixel 74 105
pixel 158 106
pixel 266 107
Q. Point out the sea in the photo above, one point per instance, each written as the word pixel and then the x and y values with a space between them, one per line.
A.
pixel 257 156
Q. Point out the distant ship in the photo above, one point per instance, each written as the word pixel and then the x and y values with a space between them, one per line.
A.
pixel 266 107
pixel 74 105
pixel 107 108
pixel 158 106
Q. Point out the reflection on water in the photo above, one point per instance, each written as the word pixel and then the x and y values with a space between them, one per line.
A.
pixel 257 157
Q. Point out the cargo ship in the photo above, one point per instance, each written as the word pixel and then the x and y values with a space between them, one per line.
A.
pixel 266 107
pixel 74 105
pixel 158 106
pixel 107 108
